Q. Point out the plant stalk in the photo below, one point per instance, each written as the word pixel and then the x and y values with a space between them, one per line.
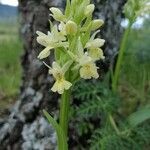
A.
pixel 64 111
pixel 120 57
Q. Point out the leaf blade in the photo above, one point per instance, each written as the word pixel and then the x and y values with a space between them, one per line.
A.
pixel 61 139
pixel 139 116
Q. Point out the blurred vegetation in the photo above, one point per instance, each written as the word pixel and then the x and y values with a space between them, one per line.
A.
pixel 10 69
pixel 135 76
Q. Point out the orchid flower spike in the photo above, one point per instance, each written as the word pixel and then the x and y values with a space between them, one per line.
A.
pixel 75 50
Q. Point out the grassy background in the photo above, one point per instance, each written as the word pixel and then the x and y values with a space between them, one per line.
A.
pixel 10 70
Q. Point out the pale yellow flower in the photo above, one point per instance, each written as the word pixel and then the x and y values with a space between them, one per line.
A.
pixel 58 73
pixel 54 39
pixel 94 43
pixel 93 46
pixel 96 53
pixel 86 65
pixel 88 68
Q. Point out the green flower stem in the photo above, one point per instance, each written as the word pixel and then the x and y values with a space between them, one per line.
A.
pixel 120 57
pixel 64 111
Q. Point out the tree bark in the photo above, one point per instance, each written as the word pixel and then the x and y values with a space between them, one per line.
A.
pixel 26 128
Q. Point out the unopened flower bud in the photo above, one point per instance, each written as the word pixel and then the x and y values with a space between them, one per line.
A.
pixel 57 14
pixel 71 28
pixel 89 9
pixel 96 24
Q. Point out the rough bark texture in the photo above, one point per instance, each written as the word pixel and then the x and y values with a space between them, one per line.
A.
pixel 25 128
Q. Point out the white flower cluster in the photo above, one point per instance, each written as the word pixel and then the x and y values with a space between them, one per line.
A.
pixel 75 51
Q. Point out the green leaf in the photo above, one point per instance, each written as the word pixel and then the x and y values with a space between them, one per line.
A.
pixel 138 117
pixel 67 10
pixel 62 141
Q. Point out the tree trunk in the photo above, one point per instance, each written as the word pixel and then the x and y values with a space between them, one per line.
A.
pixel 26 128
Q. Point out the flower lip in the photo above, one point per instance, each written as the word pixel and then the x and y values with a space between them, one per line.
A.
pixel 61 85
pixel 58 73
pixel 89 70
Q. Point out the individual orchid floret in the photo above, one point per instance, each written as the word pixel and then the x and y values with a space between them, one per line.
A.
pixel 71 28
pixel 88 68
pixel 89 9
pixel 58 73
pixel 86 64
pixel 97 24
pixel 44 40
pixel 93 46
pixel 94 43
pixel 52 40
pixel 57 14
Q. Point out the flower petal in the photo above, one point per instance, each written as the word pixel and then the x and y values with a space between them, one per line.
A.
pixel 44 53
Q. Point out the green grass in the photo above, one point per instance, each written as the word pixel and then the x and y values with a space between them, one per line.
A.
pixel 10 69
